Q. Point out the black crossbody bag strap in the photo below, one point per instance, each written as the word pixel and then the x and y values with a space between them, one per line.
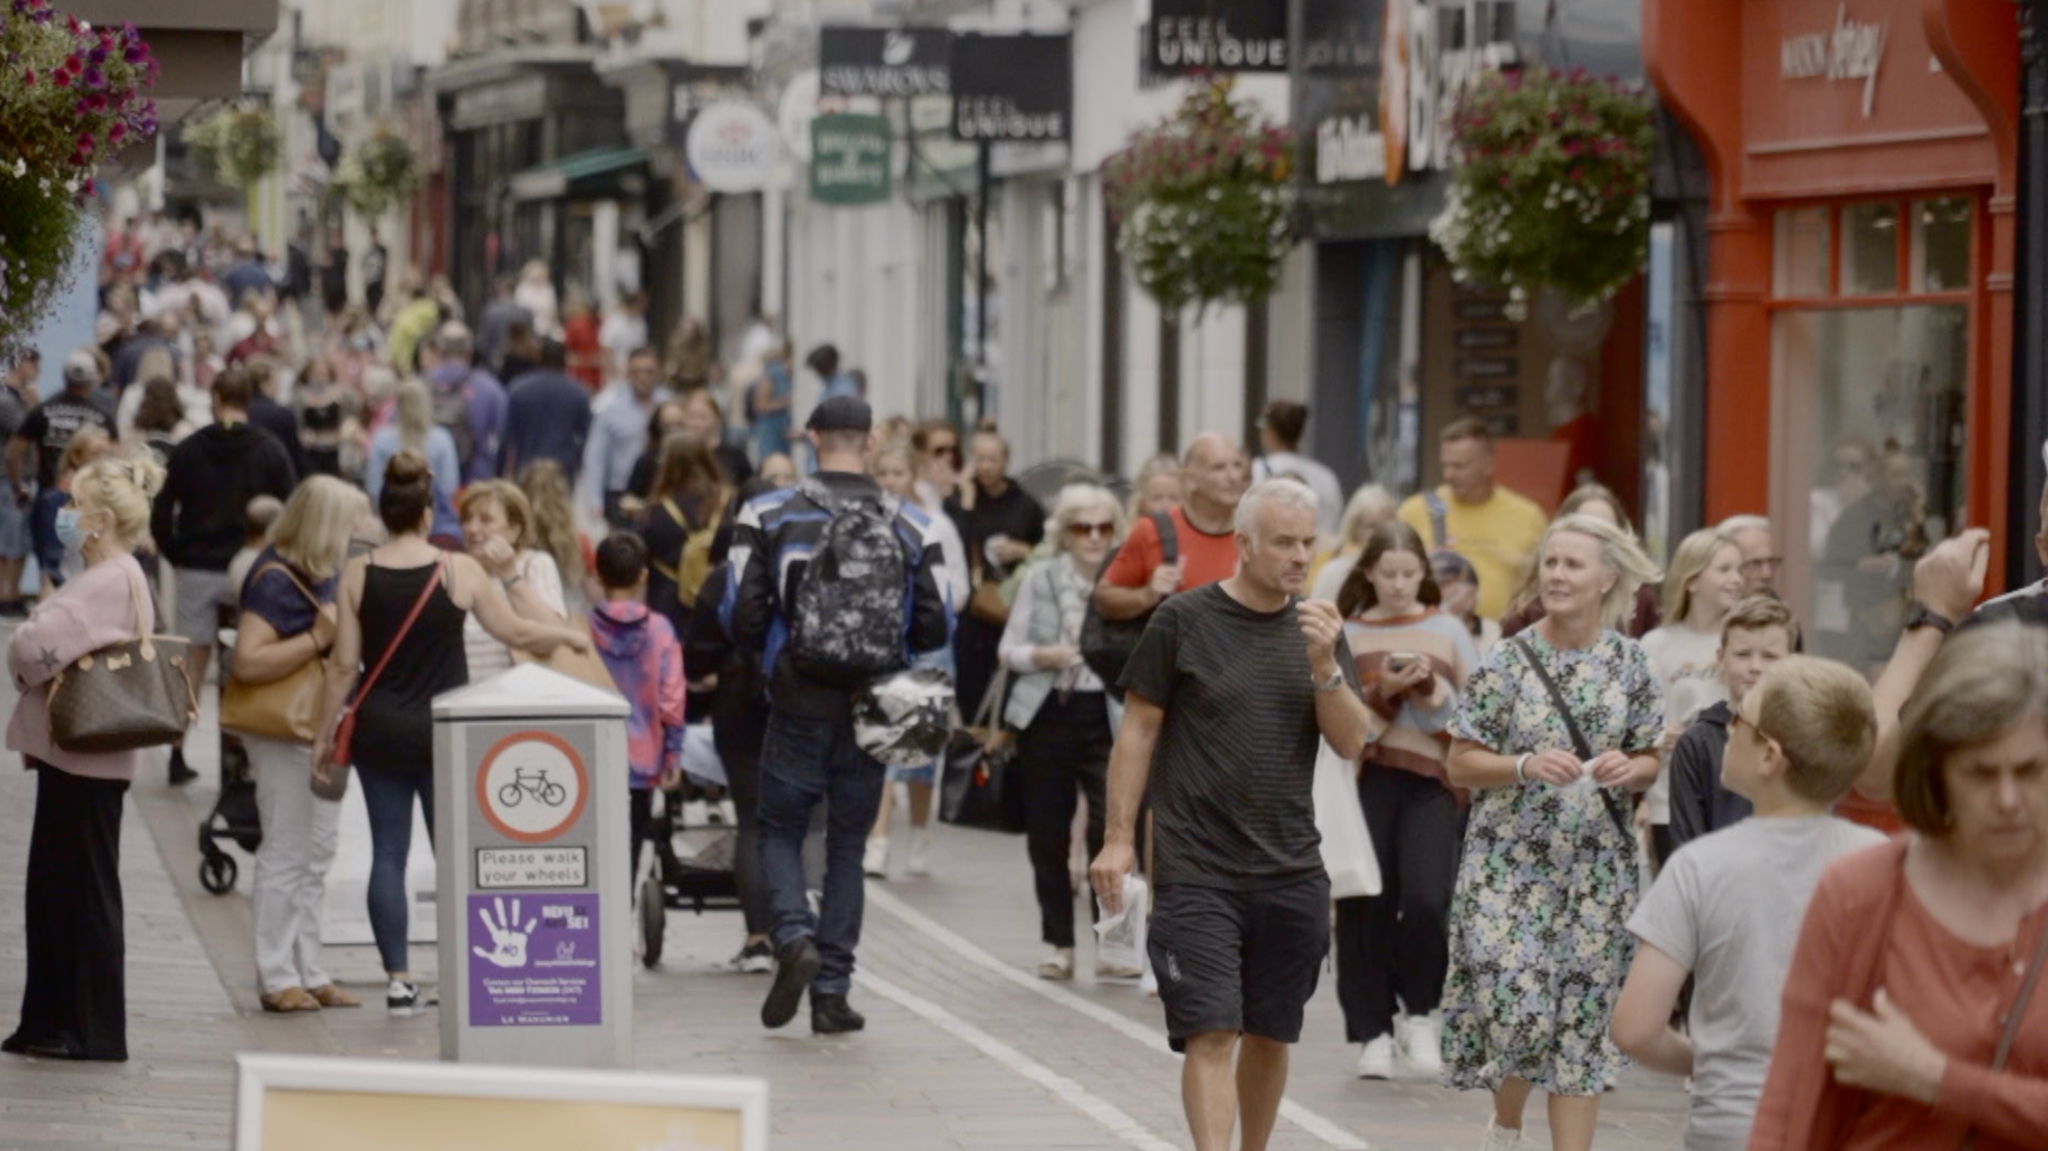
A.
pixel 1579 744
pixel 2014 1017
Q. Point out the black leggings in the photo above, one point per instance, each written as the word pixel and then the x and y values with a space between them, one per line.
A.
pixel 1395 945
pixel 1063 755
pixel 75 998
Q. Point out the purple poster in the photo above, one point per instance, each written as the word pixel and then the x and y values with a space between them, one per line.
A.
pixel 534 960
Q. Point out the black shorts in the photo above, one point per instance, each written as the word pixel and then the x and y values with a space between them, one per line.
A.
pixel 1239 961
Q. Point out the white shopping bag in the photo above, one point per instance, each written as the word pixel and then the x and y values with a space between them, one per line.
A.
pixel 700 756
pixel 1120 938
pixel 1347 845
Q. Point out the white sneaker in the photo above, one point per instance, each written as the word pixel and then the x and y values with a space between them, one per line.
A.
pixel 1059 966
pixel 1422 1046
pixel 1500 1138
pixel 1376 1059
pixel 875 864
pixel 920 853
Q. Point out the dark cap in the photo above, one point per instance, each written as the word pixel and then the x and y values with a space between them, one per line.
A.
pixel 1445 564
pixel 841 414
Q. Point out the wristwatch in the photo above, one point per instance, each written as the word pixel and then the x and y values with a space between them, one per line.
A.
pixel 1924 616
pixel 1331 684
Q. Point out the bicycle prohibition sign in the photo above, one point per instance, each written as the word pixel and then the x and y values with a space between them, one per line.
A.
pixel 532 786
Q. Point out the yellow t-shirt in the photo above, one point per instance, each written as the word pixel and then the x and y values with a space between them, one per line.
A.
pixel 1499 536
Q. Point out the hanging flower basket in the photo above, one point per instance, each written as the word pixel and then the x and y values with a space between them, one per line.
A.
pixel 241 144
pixel 1550 185
pixel 70 95
pixel 1202 199
pixel 378 175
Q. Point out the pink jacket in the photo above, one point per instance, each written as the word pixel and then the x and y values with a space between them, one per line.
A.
pixel 91 611
pixel 646 661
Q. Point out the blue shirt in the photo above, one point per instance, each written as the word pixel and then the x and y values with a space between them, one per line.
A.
pixel 486 414
pixel 441 460
pixel 547 418
pixel 270 594
pixel 617 437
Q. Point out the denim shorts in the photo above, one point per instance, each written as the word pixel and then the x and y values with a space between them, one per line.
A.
pixel 14 535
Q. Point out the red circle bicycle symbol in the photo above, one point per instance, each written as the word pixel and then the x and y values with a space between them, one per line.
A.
pixel 532 786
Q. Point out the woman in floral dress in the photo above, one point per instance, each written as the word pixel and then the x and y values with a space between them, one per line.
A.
pixel 1539 937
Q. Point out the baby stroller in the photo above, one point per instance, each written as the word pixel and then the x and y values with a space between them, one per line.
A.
pixel 234 815
pixel 693 860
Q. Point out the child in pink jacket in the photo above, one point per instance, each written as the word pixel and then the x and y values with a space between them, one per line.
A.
pixel 640 649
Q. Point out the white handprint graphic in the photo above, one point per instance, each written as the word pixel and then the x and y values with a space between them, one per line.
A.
pixel 507 936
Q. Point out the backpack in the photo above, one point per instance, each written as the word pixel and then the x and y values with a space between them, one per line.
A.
pixel 1107 644
pixel 451 411
pixel 694 562
pixel 851 612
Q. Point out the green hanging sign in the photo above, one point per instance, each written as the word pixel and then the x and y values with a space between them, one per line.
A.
pixel 850 159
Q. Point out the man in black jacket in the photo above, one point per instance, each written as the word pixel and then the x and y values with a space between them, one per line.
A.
pixel 999 523
pixel 199 515
pixel 810 755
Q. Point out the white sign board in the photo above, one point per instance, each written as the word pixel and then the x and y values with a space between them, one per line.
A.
pixel 733 147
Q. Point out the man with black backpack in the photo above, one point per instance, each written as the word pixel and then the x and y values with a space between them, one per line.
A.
pixel 836 585
pixel 1193 547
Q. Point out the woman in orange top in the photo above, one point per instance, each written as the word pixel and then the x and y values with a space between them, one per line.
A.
pixel 1915 953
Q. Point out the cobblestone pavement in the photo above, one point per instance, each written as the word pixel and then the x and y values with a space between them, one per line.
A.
pixel 964 1047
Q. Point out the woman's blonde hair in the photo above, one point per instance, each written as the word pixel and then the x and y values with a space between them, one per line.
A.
pixel 513 502
pixel 1369 507
pixel 414 415
pixel 1982 684
pixel 1074 499
pixel 1163 464
pixel 1695 554
pixel 86 446
pixel 124 485
pixel 546 487
pixel 1619 553
pixel 312 532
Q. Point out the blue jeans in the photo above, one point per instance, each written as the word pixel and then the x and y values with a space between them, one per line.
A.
pixel 42 527
pixel 388 796
pixel 806 761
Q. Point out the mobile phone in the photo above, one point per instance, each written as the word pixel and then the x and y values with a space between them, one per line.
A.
pixel 1399 662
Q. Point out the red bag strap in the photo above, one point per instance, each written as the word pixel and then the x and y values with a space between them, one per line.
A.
pixel 404 629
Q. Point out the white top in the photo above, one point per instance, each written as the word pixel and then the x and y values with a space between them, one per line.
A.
pixel 1321 480
pixel 953 574
pixel 1687 666
pixel 1728 908
pixel 1330 580
pixel 487 657
pixel 622 335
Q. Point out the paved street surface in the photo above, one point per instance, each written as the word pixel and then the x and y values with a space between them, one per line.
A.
pixel 964 1047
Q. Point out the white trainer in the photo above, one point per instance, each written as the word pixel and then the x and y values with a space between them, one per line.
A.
pixel 920 853
pixel 1422 1046
pixel 875 864
pixel 1500 1138
pixel 1376 1059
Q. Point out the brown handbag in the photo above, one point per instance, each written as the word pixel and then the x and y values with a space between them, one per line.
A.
pixel 125 696
pixel 286 708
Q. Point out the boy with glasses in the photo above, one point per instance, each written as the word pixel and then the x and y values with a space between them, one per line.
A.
pixel 1726 911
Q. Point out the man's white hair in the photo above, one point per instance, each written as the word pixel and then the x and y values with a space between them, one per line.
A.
pixel 1287 492
pixel 1746 523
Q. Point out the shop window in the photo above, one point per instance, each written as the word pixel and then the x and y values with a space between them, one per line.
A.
pixel 1941 244
pixel 1870 249
pixel 1871 426
pixel 1802 252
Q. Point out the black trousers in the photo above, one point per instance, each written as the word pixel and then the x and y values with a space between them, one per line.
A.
pixel 743 779
pixel 974 662
pixel 1395 946
pixel 1062 756
pixel 75 999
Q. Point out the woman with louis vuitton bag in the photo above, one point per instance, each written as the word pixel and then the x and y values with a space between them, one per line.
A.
pixel 74 1003
pixel 285 633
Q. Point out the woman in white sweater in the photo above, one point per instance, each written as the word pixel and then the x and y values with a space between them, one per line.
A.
pixel 497 528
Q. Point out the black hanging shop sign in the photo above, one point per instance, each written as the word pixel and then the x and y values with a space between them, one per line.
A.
pixel 1010 89
pixel 863 61
pixel 1217 36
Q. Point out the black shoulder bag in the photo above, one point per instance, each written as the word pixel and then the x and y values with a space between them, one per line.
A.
pixel 1579 744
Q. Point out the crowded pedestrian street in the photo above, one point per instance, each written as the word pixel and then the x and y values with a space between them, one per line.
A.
pixel 1177 575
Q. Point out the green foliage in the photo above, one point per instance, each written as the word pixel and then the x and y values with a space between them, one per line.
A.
pixel 40 229
pixel 1202 198
pixel 1550 184
pixel 378 175
pixel 241 144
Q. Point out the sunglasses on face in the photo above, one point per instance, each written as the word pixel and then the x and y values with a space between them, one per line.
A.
pixel 1099 531
pixel 950 451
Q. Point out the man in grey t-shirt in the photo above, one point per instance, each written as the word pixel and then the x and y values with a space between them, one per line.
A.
pixel 1728 906
pixel 1229 693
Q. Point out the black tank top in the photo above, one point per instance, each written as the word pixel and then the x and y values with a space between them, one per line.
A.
pixel 395 728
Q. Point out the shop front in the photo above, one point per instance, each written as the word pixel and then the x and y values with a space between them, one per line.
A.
pixel 1859 278
pixel 1400 347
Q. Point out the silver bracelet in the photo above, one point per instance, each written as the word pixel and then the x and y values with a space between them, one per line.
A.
pixel 1519 765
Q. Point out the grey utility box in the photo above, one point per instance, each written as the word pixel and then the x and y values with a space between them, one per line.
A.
pixel 530 782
